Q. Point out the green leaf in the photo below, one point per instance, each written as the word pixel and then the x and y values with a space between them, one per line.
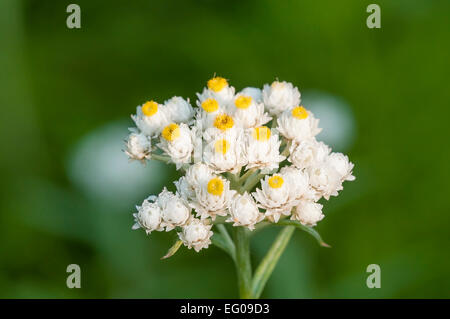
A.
pixel 173 249
pixel 307 229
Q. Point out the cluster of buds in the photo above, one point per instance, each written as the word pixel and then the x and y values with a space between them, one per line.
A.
pixel 228 145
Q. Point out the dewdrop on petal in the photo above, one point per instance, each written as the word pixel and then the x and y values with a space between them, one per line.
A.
pixel 174 212
pixel 298 124
pixel 196 234
pixel 244 211
pixel 308 213
pixel 150 118
pixel 179 110
pixel 280 96
pixel 139 147
pixel 148 216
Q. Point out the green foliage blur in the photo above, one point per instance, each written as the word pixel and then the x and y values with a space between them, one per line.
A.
pixel 65 92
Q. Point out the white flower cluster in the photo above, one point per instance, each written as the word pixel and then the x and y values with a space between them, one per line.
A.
pixel 225 146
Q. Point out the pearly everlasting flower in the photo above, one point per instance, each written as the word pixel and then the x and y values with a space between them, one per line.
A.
pixel 280 96
pixel 207 113
pixel 248 112
pixel 217 89
pixel 307 153
pixel 255 93
pixel 179 110
pixel 308 213
pixel 196 234
pixel 224 153
pixel 244 212
pixel 174 211
pixel 178 142
pixel 275 196
pixel 139 147
pixel 325 180
pixel 213 198
pixel 298 124
pixel 342 165
pixel 150 118
pixel 198 174
pixel 262 148
pixel 148 216
pixel 298 182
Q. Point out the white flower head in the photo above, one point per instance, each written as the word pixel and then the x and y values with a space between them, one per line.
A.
pixel 207 112
pixel 255 93
pixel 307 153
pixel 308 213
pixel 179 110
pixel 280 96
pixel 150 118
pixel 275 196
pixel 217 89
pixel 247 112
pixel 196 234
pixel 139 147
pixel 174 211
pixel 325 180
pixel 342 165
pixel 178 142
pixel 213 198
pixel 262 148
pixel 298 124
pixel 224 152
pixel 148 216
pixel 244 211
pixel 298 182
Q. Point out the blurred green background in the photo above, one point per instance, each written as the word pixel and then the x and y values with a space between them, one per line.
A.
pixel 67 190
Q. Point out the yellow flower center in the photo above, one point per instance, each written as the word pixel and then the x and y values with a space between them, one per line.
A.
pixel 210 105
pixel 261 133
pixel 299 112
pixel 243 102
pixel 215 186
pixel 217 84
pixel 222 146
pixel 150 108
pixel 276 181
pixel 171 132
pixel 223 122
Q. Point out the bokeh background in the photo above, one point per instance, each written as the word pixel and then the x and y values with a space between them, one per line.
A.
pixel 68 192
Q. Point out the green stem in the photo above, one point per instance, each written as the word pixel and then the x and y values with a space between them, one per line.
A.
pixel 243 265
pixel 228 240
pixel 161 158
pixel 269 262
